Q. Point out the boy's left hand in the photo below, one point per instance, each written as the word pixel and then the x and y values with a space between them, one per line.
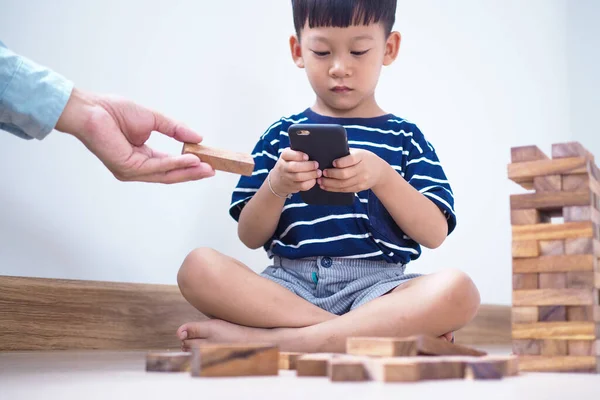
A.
pixel 361 170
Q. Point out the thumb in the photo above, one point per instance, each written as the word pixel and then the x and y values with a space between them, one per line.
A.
pixel 176 130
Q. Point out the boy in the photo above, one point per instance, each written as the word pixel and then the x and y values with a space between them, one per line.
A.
pixel 338 271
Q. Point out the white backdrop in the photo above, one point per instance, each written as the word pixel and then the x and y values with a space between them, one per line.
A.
pixel 478 76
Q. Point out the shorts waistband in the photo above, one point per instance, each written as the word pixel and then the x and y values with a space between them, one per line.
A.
pixel 329 262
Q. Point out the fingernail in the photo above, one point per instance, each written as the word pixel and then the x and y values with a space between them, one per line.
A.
pixel 305 157
pixel 316 165
pixel 335 164
pixel 183 335
pixel 325 173
pixel 319 173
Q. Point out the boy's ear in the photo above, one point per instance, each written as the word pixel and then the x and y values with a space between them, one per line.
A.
pixel 392 47
pixel 296 50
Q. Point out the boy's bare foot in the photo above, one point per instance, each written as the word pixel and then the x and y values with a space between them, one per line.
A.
pixel 448 336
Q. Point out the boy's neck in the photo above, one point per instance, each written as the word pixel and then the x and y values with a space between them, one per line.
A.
pixel 366 109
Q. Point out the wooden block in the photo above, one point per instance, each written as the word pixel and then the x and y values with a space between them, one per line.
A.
pixel 581 280
pixel 552 313
pixel 316 364
pixel 531 347
pixel 525 281
pixel 556 364
pixel 491 367
pixel 168 361
pixel 552 247
pixel 583 313
pixel 583 347
pixel 406 347
pixel 218 360
pixel 551 297
pixel 553 231
pixel 570 149
pixel 523 172
pixel 554 347
pixel 548 183
pixel 579 245
pixel 553 280
pixel 555 330
pixel 567 263
pixel 525 217
pixel 574 183
pixel 549 200
pixel 525 314
pixel 526 153
pixel 288 360
pixel 222 160
pixel 525 249
pixel 414 369
pixel 577 213
pixel 345 369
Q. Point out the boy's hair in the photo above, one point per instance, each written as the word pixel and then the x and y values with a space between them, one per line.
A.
pixel 343 13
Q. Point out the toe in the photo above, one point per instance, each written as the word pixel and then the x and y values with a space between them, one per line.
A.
pixel 192 330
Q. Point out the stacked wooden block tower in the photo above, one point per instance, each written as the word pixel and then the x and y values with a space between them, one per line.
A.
pixel 556 251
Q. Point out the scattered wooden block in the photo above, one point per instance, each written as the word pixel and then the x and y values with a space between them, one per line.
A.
pixel 414 369
pixel 553 231
pixel 553 280
pixel 531 347
pixel 526 153
pixel 554 347
pixel 525 249
pixel 549 200
pixel 570 149
pixel 523 172
pixel 406 347
pixel 168 361
pixel 289 360
pixel 525 281
pixel 526 217
pixel 567 263
pixel 220 360
pixel 557 364
pixel 574 183
pixel 552 247
pixel 555 330
pixel 548 183
pixel 345 369
pixel 222 160
pixel 550 297
pixel 316 364
pixel 583 348
pixel 491 367
pixel 525 314
pixel 552 313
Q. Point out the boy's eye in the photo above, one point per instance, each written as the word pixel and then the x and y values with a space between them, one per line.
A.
pixel 359 53
pixel 320 53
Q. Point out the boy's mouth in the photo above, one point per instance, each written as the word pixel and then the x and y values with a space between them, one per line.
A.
pixel 341 89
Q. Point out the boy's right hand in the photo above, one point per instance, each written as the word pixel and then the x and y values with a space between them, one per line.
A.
pixel 293 173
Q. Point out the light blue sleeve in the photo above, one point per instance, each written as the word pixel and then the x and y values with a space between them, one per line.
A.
pixel 32 97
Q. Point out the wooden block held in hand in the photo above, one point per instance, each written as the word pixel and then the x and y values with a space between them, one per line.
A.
pixel 552 313
pixel 219 360
pixel 222 160
pixel 525 249
pixel 168 361
pixel 288 360
pixel 410 346
pixel 548 183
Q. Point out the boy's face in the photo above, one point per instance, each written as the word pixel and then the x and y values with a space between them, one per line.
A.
pixel 343 64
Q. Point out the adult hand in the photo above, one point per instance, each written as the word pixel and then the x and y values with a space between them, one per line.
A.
pixel 116 131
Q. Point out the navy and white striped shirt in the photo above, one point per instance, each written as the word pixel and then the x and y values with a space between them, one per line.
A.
pixel 365 229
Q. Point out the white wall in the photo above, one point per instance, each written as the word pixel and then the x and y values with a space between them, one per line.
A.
pixel 477 76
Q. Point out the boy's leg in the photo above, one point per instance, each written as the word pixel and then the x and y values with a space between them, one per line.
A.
pixel 225 288
pixel 434 304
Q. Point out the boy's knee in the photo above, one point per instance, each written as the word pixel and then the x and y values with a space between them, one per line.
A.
pixel 195 267
pixel 464 292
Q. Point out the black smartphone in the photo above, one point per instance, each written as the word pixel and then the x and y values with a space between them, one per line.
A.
pixel 323 143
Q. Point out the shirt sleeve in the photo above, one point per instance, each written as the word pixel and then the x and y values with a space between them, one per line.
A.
pixel 265 155
pixel 425 173
pixel 32 97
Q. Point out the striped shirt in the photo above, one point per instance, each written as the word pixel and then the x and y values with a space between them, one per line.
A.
pixel 364 230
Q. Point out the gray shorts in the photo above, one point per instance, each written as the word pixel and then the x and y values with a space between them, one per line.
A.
pixel 337 285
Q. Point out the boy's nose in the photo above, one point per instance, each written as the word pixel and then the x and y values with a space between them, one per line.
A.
pixel 339 69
